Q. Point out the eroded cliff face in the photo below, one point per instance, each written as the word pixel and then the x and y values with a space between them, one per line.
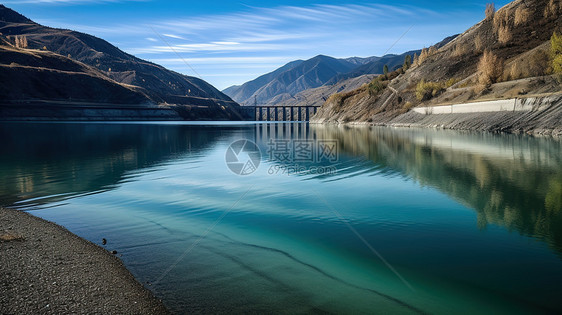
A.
pixel 361 105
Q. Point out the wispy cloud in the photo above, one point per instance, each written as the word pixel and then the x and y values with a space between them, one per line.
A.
pixel 209 47
pixel 323 13
pixel 281 28
pixel 173 36
pixel 227 60
pixel 105 31
pixel 237 44
pixel 271 36
pixel 257 18
pixel 299 31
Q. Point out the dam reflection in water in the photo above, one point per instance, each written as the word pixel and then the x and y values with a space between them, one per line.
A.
pixel 471 221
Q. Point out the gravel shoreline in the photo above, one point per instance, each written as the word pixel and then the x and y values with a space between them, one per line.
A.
pixel 45 269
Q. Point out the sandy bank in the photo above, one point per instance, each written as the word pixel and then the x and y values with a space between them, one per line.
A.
pixel 45 269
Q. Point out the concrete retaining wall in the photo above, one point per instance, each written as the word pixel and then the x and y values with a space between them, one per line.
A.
pixel 541 115
pixel 510 105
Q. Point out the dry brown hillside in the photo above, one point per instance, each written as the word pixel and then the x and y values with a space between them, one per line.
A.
pixel 516 41
pixel 33 74
pixel 43 64
pixel 317 96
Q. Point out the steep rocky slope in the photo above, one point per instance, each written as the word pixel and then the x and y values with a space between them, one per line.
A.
pixel 44 75
pixel 518 35
pixel 244 92
pixel 376 64
pixel 317 96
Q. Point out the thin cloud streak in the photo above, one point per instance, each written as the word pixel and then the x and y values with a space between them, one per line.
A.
pixel 260 17
pixel 127 30
pixel 173 36
pixel 283 30
pixel 192 48
pixel 228 60
pixel 230 40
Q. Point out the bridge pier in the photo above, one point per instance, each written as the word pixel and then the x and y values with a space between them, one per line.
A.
pixel 288 113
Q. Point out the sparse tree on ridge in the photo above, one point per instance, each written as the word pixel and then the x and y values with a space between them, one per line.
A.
pixel 407 62
pixel 490 68
pixel 556 53
pixel 21 41
pixel 490 10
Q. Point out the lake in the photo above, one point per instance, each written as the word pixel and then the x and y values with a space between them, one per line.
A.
pixel 299 218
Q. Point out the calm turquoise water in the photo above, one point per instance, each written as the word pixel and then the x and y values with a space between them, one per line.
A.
pixel 405 221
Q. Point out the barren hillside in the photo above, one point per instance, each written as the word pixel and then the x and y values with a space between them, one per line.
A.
pixel 517 37
pixel 39 63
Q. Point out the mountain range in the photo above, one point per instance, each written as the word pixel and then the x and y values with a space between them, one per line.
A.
pixel 48 64
pixel 282 86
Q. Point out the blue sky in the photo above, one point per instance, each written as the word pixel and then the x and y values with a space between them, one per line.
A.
pixel 231 42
